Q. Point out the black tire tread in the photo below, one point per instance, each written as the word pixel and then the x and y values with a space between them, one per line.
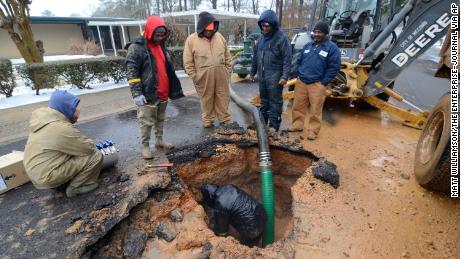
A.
pixel 441 181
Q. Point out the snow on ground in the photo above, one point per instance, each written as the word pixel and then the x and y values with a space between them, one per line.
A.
pixel 29 97
pixel 56 58
pixel 23 95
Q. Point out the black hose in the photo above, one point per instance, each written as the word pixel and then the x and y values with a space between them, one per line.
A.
pixel 258 120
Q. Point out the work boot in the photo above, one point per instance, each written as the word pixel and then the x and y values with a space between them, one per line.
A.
pixel 272 132
pixel 160 143
pixel 146 153
pixel 226 123
pixel 74 191
pixel 311 136
pixel 208 124
pixel 292 129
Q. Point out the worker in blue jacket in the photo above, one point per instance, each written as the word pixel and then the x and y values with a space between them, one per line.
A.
pixel 271 62
pixel 318 64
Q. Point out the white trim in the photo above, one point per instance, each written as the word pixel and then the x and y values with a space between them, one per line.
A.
pixel 100 40
pixel 124 37
pixel 125 23
pixel 113 41
pixel 219 14
pixel 189 15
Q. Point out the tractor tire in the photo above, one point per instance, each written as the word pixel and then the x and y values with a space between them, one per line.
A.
pixel 432 157
pixel 242 75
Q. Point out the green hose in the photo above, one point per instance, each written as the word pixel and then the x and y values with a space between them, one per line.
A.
pixel 265 167
pixel 268 203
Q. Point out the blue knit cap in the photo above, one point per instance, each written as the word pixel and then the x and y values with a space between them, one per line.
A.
pixel 64 102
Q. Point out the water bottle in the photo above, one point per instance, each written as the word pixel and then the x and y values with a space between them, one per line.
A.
pixel 100 147
pixel 112 146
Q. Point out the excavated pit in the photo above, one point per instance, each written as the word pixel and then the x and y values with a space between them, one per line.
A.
pixel 228 157
pixel 240 167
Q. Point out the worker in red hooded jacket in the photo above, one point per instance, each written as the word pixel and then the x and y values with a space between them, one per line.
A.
pixel 152 80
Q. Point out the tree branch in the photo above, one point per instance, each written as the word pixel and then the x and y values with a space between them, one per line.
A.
pixel 6 10
pixel 10 8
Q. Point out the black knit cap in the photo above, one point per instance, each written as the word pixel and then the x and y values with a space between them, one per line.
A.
pixel 205 19
pixel 322 26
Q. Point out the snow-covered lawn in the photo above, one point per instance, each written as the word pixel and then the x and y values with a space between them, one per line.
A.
pixel 27 95
pixel 57 58
pixel 24 95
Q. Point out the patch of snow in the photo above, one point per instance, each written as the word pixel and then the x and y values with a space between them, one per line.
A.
pixel 29 97
pixel 24 95
pixel 17 61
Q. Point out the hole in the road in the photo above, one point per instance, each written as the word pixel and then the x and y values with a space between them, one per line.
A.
pixel 230 160
pixel 240 167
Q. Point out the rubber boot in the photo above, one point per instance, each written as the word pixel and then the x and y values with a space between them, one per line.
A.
pixel 146 153
pixel 145 136
pixel 74 191
pixel 160 143
pixel 159 124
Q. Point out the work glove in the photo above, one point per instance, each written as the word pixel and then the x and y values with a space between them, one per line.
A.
pixel 140 100
pixel 282 82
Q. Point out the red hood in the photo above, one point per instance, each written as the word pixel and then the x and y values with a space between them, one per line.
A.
pixel 152 24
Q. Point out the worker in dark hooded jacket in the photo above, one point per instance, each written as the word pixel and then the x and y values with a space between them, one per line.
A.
pixel 207 62
pixel 153 81
pixel 232 206
pixel 271 61
pixel 56 152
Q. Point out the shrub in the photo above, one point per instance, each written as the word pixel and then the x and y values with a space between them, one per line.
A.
pixel 176 57
pixel 122 53
pixel 112 68
pixel 177 35
pixel 7 83
pixel 39 75
pixel 79 72
pixel 236 51
pixel 84 48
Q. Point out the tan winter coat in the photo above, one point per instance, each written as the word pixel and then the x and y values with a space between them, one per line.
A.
pixel 207 62
pixel 53 141
pixel 200 55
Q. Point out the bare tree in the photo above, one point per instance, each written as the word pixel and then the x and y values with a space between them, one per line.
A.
pixel 185 5
pixel 300 9
pixel 255 6
pixel 180 5
pixel 16 12
pixel 213 3
pixel 280 13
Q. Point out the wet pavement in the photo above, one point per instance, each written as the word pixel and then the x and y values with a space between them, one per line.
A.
pixel 183 126
pixel 48 214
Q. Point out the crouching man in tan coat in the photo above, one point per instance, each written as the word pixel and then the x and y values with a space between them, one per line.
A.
pixel 56 152
pixel 207 62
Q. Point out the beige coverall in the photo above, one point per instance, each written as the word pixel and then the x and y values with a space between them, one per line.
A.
pixel 207 62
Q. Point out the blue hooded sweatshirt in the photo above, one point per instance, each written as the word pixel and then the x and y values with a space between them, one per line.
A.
pixel 64 102
pixel 319 63
pixel 272 54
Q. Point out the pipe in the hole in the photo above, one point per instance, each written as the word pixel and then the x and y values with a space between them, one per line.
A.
pixel 265 167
